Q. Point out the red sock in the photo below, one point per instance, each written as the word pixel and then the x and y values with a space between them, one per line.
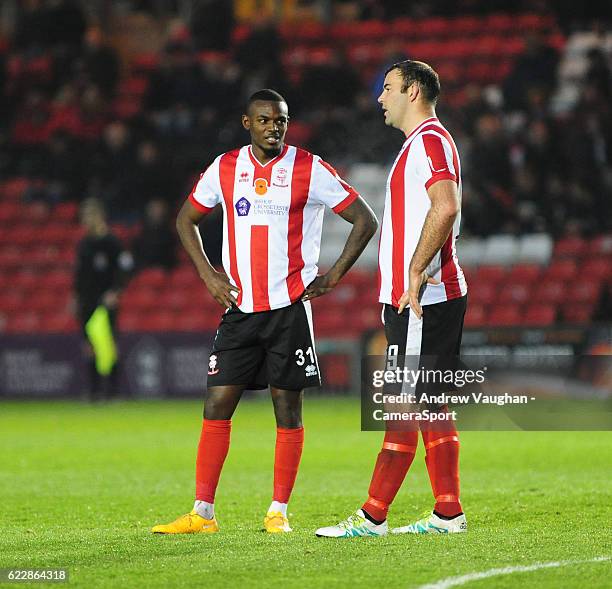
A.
pixel 289 444
pixel 212 450
pixel 442 460
pixel 392 464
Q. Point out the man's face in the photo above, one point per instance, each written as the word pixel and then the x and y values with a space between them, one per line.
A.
pixel 394 102
pixel 267 122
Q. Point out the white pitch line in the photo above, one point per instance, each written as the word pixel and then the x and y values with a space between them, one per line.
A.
pixel 463 579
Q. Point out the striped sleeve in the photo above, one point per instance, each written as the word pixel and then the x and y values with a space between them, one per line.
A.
pixel 206 192
pixel 329 189
pixel 437 160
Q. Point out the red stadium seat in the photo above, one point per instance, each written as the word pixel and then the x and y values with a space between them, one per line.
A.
pixel 514 292
pixel 492 274
pixel 600 246
pixel 65 212
pixel 175 299
pixel 159 321
pixel 561 270
pixel 58 322
pixel 484 293
pixel 58 280
pixel 405 27
pixel 577 313
pixel 550 291
pixel 504 316
pixel 586 292
pixel 570 247
pixel 25 280
pixel 499 23
pixel 152 278
pixel 539 315
pixel 475 315
pixel 24 322
pixel 141 299
pixel 524 273
pixel 597 269
pixel 14 189
pixel 129 320
pixel 12 301
pixel 184 277
pixel 10 212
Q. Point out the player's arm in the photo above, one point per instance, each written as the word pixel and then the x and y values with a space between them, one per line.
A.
pixel 365 224
pixel 438 224
pixel 217 283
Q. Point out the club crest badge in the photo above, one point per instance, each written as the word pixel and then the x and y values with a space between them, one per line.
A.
pixel 212 365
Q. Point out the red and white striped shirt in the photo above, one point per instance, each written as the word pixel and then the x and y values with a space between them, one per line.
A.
pixel 428 155
pixel 272 221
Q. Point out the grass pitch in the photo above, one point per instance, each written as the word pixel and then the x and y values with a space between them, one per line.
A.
pixel 81 485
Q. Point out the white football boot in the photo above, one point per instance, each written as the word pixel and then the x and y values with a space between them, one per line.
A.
pixel 354 526
pixel 432 524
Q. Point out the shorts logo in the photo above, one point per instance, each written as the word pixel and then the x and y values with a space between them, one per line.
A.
pixel 261 186
pixel 243 206
pixel 212 365
pixel 311 370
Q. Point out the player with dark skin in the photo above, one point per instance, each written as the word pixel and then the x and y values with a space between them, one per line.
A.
pixel 267 123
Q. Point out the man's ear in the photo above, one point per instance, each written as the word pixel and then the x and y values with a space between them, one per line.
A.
pixel 246 122
pixel 414 91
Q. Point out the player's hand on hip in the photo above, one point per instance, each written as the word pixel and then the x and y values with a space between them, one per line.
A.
pixel 319 286
pixel 222 290
pixel 411 297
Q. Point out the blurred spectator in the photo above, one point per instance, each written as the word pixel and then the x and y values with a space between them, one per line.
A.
pixel 211 24
pixel 535 68
pixel 111 170
pixel 101 271
pixel 99 63
pixel 156 244
pixel 149 177
pixel 331 84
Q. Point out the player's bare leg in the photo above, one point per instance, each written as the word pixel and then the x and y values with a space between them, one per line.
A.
pixel 219 407
pixel 289 443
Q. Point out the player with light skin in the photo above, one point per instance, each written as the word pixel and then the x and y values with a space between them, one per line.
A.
pixel 266 119
pixel 426 318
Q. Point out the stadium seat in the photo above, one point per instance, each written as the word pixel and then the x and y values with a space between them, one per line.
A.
pixel 141 299
pixel 539 315
pixel 151 277
pixel 160 321
pixel 514 292
pixel 12 301
pixel 490 274
pixel 577 313
pixel 561 270
pixel 584 291
pixel 599 268
pixel 483 293
pixel 57 280
pixel 504 316
pixel 550 291
pixel 535 248
pixel 600 246
pixel 475 316
pixel 58 322
pixel 500 249
pixel 524 273
pixel 570 247
pixel 23 322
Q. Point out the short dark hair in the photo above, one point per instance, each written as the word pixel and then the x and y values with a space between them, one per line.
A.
pixel 421 73
pixel 265 94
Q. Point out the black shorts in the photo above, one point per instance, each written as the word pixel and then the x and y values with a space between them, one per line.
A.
pixel 273 348
pixel 433 343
